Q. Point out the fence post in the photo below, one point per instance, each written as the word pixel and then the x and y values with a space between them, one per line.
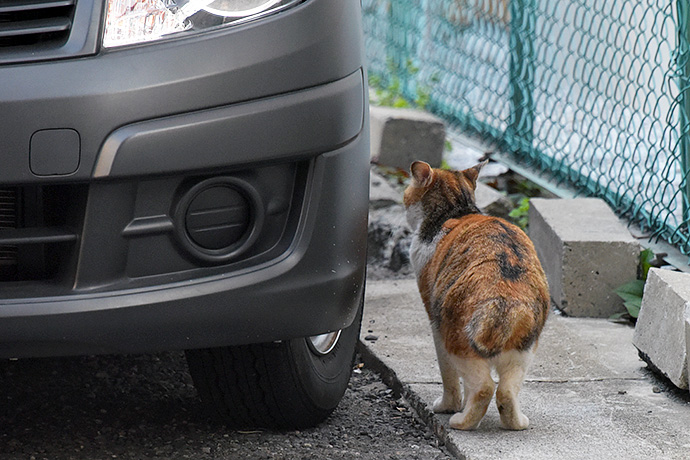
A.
pixel 522 27
pixel 683 63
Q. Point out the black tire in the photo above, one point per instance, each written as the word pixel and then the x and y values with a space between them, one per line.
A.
pixel 280 385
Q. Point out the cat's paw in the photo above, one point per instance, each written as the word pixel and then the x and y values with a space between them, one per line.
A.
pixel 444 405
pixel 521 422
pixel 460 421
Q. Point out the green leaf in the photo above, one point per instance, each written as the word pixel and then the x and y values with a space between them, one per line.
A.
pixel 633 288
pixel 631 293
pixel 520 214
pixel 646 258
pixel 400 103
pixel 522 210
pixel 633 308
pixel 634 302
pixel 629 297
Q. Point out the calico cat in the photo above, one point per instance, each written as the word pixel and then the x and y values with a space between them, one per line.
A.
pixel 484 290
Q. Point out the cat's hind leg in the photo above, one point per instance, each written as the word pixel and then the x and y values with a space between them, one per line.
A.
pixel 451 401
pixel 478 388
pixel 511 367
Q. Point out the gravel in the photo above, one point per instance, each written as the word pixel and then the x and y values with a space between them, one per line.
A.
pixel 145 407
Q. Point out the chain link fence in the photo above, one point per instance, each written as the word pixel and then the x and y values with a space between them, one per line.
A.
pixel 594 92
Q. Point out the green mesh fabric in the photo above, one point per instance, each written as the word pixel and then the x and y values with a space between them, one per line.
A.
pixel 595 93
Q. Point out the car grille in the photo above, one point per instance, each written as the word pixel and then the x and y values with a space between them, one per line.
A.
pixel 37 23
pixel 8 220
pixel 37 235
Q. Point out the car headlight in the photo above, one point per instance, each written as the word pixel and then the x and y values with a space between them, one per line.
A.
pixel 135 21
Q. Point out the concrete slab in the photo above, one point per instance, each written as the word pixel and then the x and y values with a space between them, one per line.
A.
pixel 401 136
pixel 586 253
pixel 687 344
pixel 600 420
pixel 585 349
pixel 587 394
pixel 394 314
pixel 660 331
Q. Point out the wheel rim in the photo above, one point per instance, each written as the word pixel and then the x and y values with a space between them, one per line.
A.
pixel 324 343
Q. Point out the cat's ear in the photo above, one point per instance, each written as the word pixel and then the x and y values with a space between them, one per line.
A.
pixel 421 173
pixel 472 173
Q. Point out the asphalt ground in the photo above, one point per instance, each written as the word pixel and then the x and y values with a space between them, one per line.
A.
pixel 139 407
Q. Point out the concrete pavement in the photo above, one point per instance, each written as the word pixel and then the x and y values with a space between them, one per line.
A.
pixel 587 394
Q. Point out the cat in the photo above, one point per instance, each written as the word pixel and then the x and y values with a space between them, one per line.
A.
pixel 484 291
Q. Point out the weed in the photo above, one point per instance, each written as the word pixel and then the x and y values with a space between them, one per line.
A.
pixel 390 92
pixel 520 213
pixel 520 191
pixel 632 292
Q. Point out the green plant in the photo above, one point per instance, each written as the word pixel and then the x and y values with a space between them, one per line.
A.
pixel 389 93
pixel 520 213
pixel 632 292
pixel 520 191
pixel 423 96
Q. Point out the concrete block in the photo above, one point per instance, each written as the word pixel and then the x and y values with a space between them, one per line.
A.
pixel 661 333
pixel 586 253
pixel 687 347
pixel 401 136
pixel 491 201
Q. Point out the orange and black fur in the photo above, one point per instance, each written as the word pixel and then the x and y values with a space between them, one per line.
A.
pixel 484 290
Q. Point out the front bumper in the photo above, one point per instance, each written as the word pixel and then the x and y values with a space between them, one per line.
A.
pixel 312 287
pixel 115 276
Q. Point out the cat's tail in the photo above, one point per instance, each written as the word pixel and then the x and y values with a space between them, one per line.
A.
pixel 492 325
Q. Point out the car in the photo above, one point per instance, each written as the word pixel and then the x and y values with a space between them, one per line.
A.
pixel 188 175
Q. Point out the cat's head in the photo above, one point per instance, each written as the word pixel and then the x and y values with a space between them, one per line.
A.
pixel 439 192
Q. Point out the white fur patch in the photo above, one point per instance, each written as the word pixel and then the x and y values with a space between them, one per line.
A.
pixel 420 252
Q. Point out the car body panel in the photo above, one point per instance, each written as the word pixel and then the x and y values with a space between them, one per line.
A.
pixel 279 104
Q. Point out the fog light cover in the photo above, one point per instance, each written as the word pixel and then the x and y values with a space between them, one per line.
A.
pixel 219 219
